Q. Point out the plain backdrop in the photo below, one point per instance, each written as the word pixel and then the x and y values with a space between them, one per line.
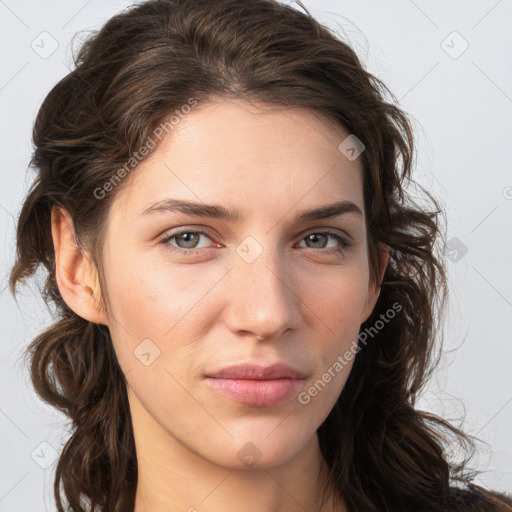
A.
pixel 450 66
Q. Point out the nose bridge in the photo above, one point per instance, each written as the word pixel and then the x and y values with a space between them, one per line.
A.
pixel 263 300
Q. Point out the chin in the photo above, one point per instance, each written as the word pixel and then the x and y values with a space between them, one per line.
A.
pixel 258 450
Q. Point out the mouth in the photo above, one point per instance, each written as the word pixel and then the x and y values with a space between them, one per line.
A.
pixel 257 386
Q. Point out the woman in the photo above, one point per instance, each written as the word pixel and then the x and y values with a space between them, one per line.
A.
pixel 247 297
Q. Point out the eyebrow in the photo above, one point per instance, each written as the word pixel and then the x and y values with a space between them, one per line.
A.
pixel 218 211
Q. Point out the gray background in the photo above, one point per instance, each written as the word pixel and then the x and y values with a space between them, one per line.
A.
pixel 460 100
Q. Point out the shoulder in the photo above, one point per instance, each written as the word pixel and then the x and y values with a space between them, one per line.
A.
pixel 477 499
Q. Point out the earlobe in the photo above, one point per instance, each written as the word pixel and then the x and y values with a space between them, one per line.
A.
pixel 74 272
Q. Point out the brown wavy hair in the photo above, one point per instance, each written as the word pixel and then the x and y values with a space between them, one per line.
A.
pixel 148 61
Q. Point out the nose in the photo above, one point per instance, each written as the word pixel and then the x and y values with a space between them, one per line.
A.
pixel 262 300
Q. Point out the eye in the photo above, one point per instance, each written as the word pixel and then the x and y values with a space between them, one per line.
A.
pixel 320 237
pixel 187 238
pixel 187 241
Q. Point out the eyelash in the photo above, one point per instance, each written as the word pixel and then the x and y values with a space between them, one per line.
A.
pixel 167 237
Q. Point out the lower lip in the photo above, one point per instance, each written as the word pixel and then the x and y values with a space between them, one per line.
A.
pixel 259 393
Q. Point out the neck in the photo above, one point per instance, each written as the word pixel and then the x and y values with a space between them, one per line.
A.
pixel 171 477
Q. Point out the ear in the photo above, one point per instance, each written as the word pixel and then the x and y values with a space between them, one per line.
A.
pixel 374 285
pixel 74 272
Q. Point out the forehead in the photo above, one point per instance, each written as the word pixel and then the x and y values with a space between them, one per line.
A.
pixel 248 155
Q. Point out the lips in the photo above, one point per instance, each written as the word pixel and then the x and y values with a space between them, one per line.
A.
pixel 255 385
pixel 257 372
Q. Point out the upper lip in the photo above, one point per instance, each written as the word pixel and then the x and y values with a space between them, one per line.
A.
pixel 258 372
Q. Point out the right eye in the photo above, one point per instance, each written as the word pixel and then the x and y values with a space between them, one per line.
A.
pixel 188 237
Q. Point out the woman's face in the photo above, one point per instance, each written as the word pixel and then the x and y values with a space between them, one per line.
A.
pixel 260 289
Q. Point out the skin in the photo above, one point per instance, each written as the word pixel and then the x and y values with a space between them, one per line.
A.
pixel 205 309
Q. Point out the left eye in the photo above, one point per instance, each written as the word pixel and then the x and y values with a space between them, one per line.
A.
pixel 190 239
pixel 313 237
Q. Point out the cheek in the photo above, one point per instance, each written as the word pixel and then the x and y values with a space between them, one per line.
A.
pixel 140 308
pixel 159 314
pixel 340 308
pixel 147 295
pixel 340 299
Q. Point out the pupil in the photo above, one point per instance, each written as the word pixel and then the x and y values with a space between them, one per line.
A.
pixel 314 236
pixel 189 236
